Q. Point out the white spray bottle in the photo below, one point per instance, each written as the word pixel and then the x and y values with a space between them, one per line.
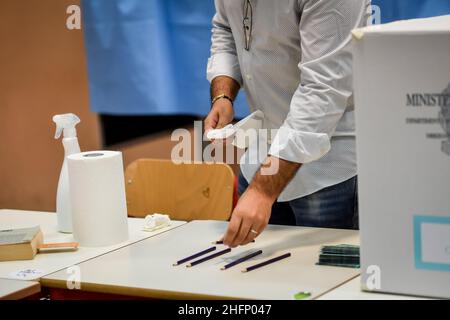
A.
pixel 65 123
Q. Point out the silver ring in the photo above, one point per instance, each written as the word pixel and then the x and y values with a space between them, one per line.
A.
pixel 254 231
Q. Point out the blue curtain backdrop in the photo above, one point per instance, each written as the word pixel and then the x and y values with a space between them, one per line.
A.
pixel 148 57
pixel 392 10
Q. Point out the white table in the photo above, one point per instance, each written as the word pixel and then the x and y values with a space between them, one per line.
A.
pixel 351 290
pixel 145 268
pixel 47 263
pixel 17 289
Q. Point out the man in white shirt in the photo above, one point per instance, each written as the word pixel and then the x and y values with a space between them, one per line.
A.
pixel 292 58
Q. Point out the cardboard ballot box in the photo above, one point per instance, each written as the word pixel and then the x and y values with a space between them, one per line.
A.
pixel 402 99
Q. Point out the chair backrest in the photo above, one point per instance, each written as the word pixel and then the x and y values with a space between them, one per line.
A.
pixel 184 192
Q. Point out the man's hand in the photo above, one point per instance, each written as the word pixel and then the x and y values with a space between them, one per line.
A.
pixel 250 217
pixel 221 114
pixel 254 207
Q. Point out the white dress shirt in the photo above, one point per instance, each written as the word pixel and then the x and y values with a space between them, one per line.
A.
pixel 298 72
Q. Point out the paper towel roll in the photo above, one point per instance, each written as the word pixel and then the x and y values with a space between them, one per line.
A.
pixel 97 196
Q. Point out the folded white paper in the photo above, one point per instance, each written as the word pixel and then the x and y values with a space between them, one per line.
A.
pixel 239 131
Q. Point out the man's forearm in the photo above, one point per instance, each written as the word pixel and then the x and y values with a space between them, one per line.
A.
pixel 271 185
pixel 224 85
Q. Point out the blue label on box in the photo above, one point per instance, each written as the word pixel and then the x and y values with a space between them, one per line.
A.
pixel 432 242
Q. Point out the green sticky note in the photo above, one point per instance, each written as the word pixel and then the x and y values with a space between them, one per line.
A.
pixel 302 295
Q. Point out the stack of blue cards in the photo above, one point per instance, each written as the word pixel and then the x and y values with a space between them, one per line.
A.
pixel 343 255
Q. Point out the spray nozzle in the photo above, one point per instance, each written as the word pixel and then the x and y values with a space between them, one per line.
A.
pixel 65 123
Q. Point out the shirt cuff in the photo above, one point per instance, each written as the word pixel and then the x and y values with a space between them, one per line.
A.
pixel 224 64
pixel 299 146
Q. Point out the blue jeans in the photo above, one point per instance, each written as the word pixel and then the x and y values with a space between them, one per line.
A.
pixel 332 207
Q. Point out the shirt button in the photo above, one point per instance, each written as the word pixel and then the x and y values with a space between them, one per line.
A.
pixel 249 77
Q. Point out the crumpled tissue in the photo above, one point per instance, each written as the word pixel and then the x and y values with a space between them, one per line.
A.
pixel 156 221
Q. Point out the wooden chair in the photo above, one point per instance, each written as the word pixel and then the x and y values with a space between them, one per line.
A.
pixel 184 192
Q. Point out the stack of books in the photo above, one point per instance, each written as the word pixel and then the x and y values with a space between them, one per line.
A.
pixel 20 244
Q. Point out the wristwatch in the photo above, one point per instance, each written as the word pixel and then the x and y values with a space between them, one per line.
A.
pixel 220 96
